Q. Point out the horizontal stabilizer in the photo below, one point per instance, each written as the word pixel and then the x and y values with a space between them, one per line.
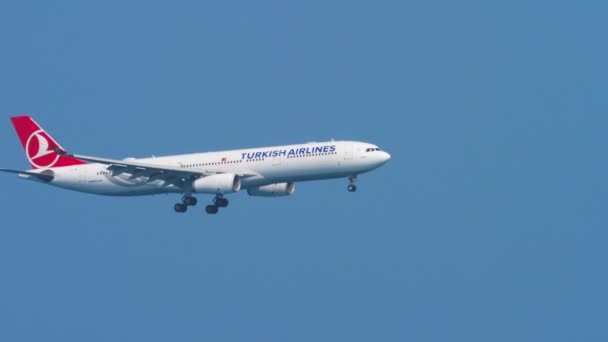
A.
pixel 45 176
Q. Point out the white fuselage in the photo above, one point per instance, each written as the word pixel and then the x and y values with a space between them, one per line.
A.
pixel 263 166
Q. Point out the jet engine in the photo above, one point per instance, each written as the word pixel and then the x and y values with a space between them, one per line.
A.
pixel 273 190
pixel 217 184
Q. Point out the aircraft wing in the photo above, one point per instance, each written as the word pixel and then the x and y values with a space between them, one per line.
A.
pixel 134 166
pixel 155 171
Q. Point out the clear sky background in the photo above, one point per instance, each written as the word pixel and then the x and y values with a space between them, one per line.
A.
pixel 488 224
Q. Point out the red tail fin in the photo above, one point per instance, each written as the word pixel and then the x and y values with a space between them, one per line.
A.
pixel 39 147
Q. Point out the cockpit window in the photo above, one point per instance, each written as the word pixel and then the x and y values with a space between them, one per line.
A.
pixel 372 149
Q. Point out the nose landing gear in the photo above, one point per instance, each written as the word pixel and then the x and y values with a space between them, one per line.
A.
pixel 352 187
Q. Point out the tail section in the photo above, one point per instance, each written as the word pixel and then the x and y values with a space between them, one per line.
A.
pixel 40 148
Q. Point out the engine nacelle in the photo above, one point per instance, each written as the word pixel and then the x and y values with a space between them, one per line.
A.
pixel 273 190
pixel 217 184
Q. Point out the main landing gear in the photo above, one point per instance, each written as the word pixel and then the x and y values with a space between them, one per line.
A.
pixel 352 187
pixel 187 201
pixel 180 208
pixel 218 202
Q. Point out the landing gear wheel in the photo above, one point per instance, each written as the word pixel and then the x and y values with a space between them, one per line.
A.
pixel 189 200
pixel 180 208
pixel 221 202
pixel 352 187
pixel 211 209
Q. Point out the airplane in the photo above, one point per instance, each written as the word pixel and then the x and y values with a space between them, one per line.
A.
pixel 265 171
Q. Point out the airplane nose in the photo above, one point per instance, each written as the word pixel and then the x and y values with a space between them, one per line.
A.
pixel 386 157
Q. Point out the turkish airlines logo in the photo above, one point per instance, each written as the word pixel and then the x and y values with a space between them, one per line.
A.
pixel 39 151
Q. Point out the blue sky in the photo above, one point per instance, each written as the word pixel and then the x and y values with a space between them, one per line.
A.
pixel 489 223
